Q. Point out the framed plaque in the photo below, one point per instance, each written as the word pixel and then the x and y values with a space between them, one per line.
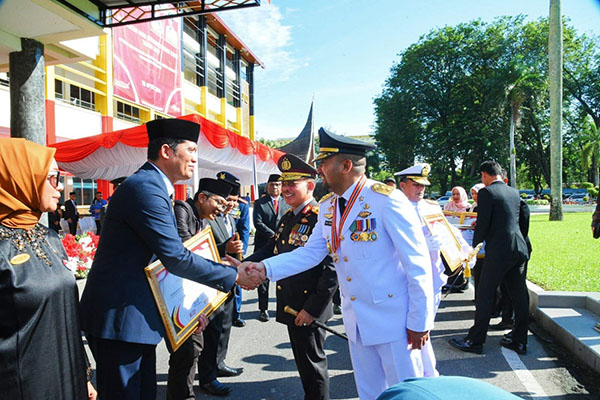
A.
pixel 453 217
pixel 181 301
pixel 451 248
pixel 468 218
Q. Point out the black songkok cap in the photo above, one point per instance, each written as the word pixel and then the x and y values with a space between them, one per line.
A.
pixel 214 186
pixel 231 180
pixel 173 128
pixel 274 178
pixel 292 168
pixel 330 144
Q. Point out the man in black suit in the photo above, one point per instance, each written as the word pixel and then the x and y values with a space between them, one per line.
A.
pixel 308 292
pixel 211 363
pixel 266 215
pixel 498 215
pixel 71 213
pixel 193 215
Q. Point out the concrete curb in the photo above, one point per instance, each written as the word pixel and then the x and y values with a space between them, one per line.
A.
pixel 570 318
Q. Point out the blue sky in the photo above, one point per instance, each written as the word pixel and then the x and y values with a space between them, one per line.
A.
pixel 341 51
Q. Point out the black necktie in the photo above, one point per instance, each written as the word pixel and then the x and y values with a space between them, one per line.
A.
pixel 342 204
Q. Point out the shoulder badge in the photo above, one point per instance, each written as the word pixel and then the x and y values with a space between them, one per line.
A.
pixel 435 203
pixel 326 197
pixel 382 189
pixel 315 209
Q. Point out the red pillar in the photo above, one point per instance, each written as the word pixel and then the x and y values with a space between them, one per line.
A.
pixel 180 192
pixel 107 123
pixel 105 187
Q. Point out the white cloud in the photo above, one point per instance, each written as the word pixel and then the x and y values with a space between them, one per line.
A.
pixel 263 31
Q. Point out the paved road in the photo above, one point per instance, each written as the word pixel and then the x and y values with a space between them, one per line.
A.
pixel 270 373
pixel 546 372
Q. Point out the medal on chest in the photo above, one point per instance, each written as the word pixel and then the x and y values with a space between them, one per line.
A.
pixel 336 228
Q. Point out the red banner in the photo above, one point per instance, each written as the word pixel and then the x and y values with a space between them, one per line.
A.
pixel 147 64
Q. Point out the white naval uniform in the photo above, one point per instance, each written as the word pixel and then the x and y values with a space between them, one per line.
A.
pixel 386 284
pixel 425 208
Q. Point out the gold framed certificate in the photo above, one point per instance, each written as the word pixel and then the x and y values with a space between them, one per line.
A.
pixel 181 301
pixel 451 247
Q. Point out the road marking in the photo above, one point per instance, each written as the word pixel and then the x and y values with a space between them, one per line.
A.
pixel 531 385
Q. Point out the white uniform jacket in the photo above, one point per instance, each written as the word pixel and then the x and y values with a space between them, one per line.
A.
pixel 425 208
pixel 386 282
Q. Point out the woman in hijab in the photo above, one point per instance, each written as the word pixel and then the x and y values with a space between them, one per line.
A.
pixel 474 193
pixel 459 202
pixel 41 350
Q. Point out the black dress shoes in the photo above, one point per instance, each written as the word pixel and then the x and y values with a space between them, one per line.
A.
pixel 216 388
pixel 227 371
pixel 264 316
pixel 520 348
pixel 501 326
pixel 337 309
pixel 466 345
pixel 240 323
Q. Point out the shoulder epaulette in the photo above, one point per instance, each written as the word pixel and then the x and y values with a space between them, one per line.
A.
pixel 326 197
pixel 315 209
pixel 382 188
pixel 435 203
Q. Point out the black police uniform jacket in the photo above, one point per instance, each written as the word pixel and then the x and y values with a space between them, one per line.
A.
pixel 311 290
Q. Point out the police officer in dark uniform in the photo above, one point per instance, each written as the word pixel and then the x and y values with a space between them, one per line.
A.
pixel 309 292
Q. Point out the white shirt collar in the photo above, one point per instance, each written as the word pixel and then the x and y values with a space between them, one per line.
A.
pixel 349 191
pixel 168 184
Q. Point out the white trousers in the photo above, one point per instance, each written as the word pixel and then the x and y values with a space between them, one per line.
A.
pixel 380 366
pixel 427 353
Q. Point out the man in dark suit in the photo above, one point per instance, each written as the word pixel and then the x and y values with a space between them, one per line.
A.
pixel 193 215
pixel 266 215
pixel 498 214
pixel 118 311
pixel 71 213
pixel 309 292
pixel 211 363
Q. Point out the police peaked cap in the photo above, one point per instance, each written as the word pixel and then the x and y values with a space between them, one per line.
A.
pixel 417 173
pixel 292 168
pixel 173 128
pixel 231 180
pixel 214 186
pixel 330 144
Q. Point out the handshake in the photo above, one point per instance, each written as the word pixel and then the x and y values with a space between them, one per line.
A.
pixel 250 274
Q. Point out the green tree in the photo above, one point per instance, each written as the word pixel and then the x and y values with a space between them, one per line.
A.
pixel 590 154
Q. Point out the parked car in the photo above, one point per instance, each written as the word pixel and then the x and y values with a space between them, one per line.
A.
pixel 443 200
pixel 577 198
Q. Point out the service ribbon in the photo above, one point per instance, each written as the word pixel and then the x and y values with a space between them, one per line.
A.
pixel 336 231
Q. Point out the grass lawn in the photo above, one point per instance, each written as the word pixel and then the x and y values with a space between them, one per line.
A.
pixel 565 255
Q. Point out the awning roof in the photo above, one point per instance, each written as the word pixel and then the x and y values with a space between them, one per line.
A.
pixel 120 153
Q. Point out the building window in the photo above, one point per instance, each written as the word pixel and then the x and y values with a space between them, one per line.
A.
pixel 58 90
pixel 192 63
pixel 75 95
pixel 82 97
pixel 128 112
pixel 85 189
pixel 214 74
